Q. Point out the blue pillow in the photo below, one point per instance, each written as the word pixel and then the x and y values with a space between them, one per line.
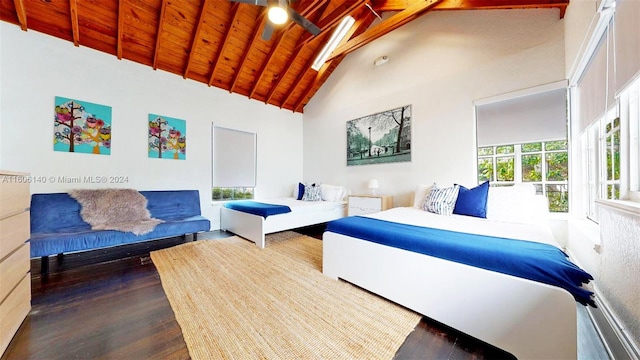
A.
pixel 472 202
pixel 300 191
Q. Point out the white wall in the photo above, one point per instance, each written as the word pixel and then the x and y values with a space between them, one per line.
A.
pixel 440 64
pixel 35 68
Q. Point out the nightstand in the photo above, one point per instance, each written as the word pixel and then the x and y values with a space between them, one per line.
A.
pixel 367 204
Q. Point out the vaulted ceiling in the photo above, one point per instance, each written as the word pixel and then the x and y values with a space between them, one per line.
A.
pixel 219 42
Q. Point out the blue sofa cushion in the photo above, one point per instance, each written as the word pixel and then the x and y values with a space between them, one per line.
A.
pixel 44 244
pixel 57 227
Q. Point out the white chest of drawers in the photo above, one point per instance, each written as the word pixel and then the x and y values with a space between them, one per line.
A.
pixel 15 286
pixel 367 204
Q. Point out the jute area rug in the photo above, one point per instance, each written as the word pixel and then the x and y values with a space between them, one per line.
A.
pixel 236 301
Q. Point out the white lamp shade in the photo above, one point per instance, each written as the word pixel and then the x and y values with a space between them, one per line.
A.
pixel 373 184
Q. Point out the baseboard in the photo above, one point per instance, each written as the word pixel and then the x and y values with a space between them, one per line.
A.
pixel 616 341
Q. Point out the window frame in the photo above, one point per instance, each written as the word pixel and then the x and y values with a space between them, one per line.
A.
pixel 517 155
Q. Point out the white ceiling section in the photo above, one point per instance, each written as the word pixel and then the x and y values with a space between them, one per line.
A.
pixel 534 117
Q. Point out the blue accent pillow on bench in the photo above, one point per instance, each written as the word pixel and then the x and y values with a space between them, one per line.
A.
pixel 473 202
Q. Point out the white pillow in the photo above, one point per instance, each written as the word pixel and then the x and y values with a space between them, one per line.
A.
pixel 517 204
pixel 421 193
pixel 332 192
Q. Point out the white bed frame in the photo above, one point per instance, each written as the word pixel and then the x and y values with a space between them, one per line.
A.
pixel 255 227
pixel 530 320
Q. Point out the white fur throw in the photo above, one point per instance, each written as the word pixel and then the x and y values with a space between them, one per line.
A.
pixel 115 209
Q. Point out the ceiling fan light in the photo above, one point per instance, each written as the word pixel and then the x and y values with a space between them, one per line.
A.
pixel 277 15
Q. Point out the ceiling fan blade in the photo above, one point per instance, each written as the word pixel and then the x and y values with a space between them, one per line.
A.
pixel 300 20
pixel 252 2
pixel 268 30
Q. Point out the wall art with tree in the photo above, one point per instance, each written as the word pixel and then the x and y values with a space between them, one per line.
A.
pixel 167 137
pixel 81 126
pixel 380 138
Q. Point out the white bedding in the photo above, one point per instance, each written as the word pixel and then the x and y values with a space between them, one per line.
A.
pixel 468 224
pixel 304 207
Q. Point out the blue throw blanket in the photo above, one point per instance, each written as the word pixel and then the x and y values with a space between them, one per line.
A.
pixel 525 259
pixel 257 208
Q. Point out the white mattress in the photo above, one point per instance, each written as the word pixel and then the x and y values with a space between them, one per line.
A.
pixel 468 224
pixel 305 207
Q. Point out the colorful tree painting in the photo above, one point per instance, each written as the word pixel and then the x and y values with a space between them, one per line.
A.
pixel 81 126
pixel 167 137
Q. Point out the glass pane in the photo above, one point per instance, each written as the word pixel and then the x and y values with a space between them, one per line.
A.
pixel 558 197
pixel 557 166
pixel 556 145
pixel 609 153
pixel 218 193
pixel 504 168
pixel 531 147
pixel 607 128
pixel 485 169
pixel 616 155
pixel 616 122
pixel 613 192
pixel 485 150
pixel 507 149
pixel 531 168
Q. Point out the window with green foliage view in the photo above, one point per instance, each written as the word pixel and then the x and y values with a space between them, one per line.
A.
pixel 239 193
pixel 543 164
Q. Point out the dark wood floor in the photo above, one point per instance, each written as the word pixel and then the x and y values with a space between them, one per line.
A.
pixel 103 305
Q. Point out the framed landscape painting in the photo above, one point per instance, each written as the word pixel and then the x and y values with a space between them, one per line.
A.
pixel 384 137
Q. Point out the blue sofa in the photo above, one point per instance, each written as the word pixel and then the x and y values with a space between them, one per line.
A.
pixel 57 228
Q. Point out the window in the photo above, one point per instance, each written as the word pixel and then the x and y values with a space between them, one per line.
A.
pixel 611 153
pixel 610 145
pixel 234 164
pixel 543 164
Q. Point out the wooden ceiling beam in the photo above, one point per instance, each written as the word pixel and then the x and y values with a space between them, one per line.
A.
pixel 225 42
pixel 280 39
pixel 254 37
pixel 157 48
pixel 292 59
pixel 194 39
pixel 405 16
pixel 73 11
pixel 329 21
pixel 359 27
pixel 21 12
pixel 399 5
pixel 120 28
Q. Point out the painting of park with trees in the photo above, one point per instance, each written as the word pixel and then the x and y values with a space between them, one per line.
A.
pixel 384 137
pixel 167 137
pixel 81 127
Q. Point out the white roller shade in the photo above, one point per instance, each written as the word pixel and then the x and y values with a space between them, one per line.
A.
pixel 529 118
pixel 627 42
pixel 234 158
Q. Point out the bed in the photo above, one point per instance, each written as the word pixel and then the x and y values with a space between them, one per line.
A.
pixel 529 319
pixel 254 227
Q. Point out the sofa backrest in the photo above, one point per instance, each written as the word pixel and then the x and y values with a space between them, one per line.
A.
pixel 57 212
pixel 172 204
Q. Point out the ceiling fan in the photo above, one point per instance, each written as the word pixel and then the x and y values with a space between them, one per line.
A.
pixel 278 13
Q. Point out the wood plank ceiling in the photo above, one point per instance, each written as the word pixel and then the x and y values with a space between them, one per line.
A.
pixel 218 42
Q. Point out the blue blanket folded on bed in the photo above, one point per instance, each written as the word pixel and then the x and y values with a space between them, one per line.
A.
pixel 257 208
pixel 526 259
